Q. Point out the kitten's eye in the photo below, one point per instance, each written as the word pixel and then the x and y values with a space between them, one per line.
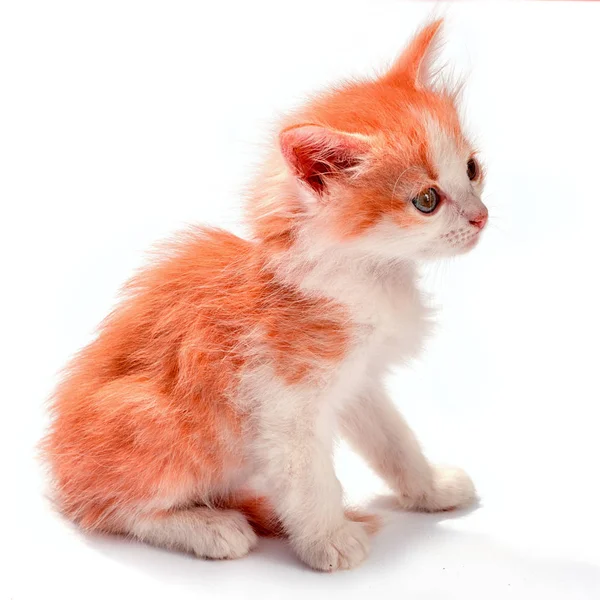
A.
pixel 426 201
pixel 472 169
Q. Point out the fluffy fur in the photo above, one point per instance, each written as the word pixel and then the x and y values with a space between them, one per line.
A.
pixel 206 408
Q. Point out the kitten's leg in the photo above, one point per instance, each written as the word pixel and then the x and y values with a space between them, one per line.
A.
pixel 204 531
pixel 375 429
pixel 295 449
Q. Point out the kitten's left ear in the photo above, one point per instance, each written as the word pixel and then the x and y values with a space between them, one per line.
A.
pixel 317 155
pixel 415 63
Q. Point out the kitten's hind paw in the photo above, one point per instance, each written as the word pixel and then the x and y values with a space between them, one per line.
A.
pixel 451 488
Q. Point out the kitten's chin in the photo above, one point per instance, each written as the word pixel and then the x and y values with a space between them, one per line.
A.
pixel 465 247
pixel 471 243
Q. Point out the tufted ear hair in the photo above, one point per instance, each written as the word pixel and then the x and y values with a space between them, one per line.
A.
pixel 316 155
pixel 415 62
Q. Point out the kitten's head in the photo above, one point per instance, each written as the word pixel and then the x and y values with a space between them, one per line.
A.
pixel 383 166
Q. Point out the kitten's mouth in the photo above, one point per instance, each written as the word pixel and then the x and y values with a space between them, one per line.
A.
pixel 462 239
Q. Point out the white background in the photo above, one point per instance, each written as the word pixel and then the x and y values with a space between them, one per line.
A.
pixel 121 121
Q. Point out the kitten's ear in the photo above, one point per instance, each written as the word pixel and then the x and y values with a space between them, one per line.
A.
pixel 415 63
pixel 316 154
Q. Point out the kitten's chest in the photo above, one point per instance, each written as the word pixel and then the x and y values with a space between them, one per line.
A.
pixel 393 325
pixel 390 326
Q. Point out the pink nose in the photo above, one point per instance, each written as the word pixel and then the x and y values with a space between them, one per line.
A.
pixel 480 220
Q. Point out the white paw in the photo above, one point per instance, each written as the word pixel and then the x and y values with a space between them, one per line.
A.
pixel 343 548
pixel 451 488
pixel 227 535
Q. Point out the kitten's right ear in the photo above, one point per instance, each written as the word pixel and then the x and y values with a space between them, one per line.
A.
pixel 415 63
pixel 317 154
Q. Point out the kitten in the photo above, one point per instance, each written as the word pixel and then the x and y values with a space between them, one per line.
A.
pixel 206 408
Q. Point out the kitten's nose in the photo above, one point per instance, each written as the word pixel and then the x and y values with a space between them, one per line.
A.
pixel 480 220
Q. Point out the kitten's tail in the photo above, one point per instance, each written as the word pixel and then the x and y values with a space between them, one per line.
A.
pixel 262 516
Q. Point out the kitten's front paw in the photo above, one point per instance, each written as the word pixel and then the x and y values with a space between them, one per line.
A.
pixel 451 488
pixel 343 548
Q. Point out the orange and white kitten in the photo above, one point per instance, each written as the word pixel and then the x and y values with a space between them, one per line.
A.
pixel 231 362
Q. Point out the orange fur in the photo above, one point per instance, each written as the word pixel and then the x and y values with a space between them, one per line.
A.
pixel 144 410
